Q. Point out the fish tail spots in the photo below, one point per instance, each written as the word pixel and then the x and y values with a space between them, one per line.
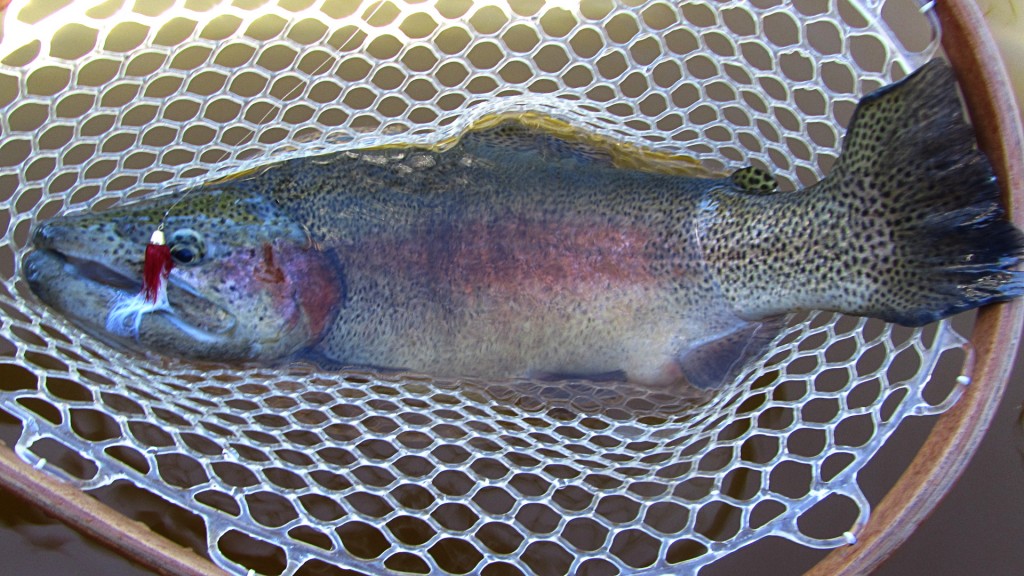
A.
pixel 926 195
pixel 907 227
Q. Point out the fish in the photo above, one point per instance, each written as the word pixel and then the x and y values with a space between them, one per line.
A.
pixel 518 252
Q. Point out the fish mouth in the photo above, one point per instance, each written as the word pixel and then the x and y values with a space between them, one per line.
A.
pixel 85 290
pixel 98 273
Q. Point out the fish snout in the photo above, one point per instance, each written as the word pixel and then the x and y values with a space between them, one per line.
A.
pixel 44 235
pixel 33 266
pixel 47 234
pixel 41 269
pixel 74 238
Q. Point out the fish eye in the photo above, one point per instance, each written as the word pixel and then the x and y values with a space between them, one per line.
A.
pixel 187 247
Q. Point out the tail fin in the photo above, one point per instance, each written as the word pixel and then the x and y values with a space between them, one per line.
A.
pixel 907 227
pixel 910 159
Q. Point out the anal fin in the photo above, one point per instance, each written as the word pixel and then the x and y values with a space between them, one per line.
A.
pixel 613 376
pixel 712 363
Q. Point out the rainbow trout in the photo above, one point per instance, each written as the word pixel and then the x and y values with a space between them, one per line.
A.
pixel 519 253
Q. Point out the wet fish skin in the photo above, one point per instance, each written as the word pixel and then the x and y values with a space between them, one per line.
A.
pixel 516 253
pixel 526 266
pixel 907 227
pixel 263 291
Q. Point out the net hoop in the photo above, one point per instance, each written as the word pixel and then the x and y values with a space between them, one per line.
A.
pixel 952 443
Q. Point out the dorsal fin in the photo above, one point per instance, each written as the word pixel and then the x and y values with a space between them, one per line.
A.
pixel 512 136
pixel 240 175
pixel 754 180
pixel 557 140
pixel 553 139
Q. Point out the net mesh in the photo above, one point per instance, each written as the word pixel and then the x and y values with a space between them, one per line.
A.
pixel 293 470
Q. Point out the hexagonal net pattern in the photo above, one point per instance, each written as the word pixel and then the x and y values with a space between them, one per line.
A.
pixel 293 471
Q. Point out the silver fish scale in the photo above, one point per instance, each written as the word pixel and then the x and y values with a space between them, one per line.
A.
pixel 102 103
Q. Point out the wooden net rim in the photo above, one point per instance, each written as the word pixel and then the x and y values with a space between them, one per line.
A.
pixel 953 441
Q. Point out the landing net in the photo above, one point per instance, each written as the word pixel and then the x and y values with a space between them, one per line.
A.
pixel 292 471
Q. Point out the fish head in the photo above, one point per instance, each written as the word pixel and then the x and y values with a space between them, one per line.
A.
pixel 248 282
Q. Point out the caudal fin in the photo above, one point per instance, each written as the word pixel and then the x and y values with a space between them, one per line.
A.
pixel 907 227
pixel 912 169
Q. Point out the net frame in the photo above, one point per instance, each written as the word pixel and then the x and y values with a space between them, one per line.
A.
pixel 951 344
pixel 949 448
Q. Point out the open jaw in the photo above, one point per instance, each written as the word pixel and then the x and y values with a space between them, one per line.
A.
pixel 85 290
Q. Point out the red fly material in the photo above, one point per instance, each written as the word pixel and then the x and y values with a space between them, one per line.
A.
pixel 126 314
pixel 155 269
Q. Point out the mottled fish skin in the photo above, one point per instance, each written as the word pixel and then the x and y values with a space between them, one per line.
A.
pixel 529 267
pixel 516 253
pixel 915 231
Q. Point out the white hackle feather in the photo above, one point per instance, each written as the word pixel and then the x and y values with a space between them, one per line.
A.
pixel 126 312
pixel 125 316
